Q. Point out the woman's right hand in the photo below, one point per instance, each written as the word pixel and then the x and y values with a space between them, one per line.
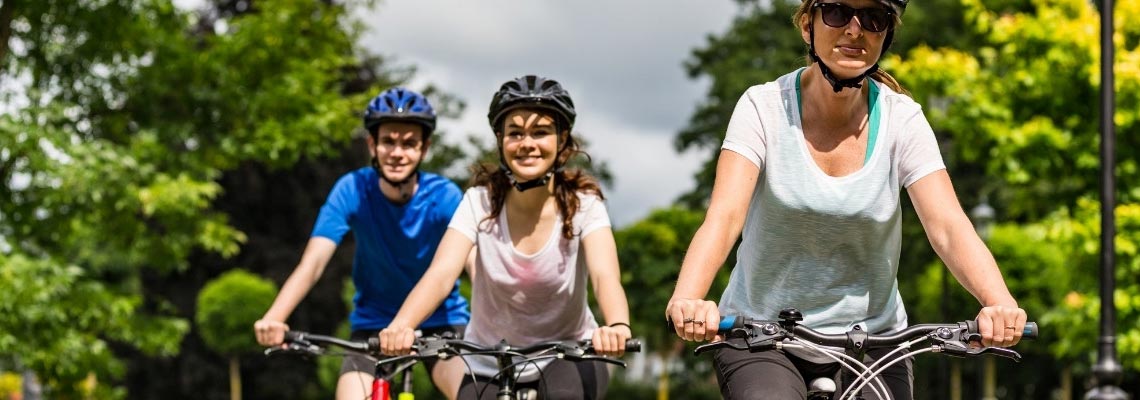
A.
pixel 269 332
pixel 694 319
pixel 397 340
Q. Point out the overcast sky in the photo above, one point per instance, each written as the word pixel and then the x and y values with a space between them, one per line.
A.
pixel 621 61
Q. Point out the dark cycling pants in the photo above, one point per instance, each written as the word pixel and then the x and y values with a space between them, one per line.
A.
pixel 354 362
pixel 561 380
pixel 777 375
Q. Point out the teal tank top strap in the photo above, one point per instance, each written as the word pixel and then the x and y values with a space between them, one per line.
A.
pixel 799 95
pixel 874 111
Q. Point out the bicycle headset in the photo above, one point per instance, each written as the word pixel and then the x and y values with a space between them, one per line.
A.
pixel 399 105
pixel 532 92
pixel 896 7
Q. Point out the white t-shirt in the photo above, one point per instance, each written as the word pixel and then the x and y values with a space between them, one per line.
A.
pixel 827 246
pixel 526 298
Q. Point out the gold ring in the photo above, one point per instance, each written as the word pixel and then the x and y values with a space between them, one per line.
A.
pixel 687 320
pixel 1011 327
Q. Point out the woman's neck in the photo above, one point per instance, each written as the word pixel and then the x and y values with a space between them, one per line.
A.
pixel 831 108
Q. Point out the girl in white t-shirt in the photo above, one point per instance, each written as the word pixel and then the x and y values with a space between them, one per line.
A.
pixel 540 233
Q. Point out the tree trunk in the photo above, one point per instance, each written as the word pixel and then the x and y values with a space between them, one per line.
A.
pixel 7 12
pixel 235 378
pixel 955 380
pixel 989 386
pixel 1067 383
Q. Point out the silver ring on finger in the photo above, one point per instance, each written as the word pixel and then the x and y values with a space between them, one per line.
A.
pixel 699 323
pixel 687 320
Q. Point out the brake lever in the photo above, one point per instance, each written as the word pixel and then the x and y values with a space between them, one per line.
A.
pixel 960 350
pixel 294 348
pixel 997 351
pixel 589 357
pixel 398 359
pixel 733 343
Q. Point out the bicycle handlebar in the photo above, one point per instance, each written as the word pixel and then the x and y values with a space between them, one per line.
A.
pixel 727 323
pixel 309 343
pixel 432 347
pixel 743 333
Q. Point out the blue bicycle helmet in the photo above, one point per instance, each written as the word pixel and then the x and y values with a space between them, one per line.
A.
pixel 399 104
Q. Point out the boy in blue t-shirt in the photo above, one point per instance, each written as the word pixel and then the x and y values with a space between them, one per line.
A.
pixel 398 215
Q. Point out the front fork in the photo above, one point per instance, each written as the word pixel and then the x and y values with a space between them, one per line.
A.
pixel 381 389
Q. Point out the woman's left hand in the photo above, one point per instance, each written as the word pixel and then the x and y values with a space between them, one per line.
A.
pixel 609 341
pixel 1001 326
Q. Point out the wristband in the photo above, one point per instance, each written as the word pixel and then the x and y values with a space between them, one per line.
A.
pixel 616 324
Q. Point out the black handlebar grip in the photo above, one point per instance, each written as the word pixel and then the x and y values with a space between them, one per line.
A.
pixel 292 336
pixel 633 346
pixel 374 343
pixel 1030 332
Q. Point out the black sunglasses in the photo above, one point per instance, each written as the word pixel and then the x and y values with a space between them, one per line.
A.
pixel 873 19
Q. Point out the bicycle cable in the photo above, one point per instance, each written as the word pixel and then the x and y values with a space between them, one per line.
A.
pixel 874 367
pixel 845 362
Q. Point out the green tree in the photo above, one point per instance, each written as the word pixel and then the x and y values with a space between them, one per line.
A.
pixel 130 134
pixel 227 307
pixel 650 252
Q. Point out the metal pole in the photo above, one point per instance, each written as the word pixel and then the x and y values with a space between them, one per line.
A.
pixel 1107 371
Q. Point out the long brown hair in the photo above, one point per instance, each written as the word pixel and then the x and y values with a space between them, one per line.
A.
pixel 880 75
pixel 568 182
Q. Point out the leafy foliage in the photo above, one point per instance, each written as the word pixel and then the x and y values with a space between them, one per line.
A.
pixel 123 125
pixel 227 308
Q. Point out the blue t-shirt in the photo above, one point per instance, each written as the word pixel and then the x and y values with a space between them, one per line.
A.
pixel 394 244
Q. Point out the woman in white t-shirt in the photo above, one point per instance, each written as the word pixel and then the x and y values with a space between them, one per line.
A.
pixel 540 233
pixel 809 177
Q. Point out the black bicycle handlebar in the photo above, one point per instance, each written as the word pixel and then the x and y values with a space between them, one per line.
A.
pixel 727 323
pixel 743 333
pixel 309 343
pixel 432 347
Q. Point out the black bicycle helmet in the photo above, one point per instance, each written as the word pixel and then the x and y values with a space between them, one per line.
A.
pixel 399 104
pixel 532 91
pixel 898 7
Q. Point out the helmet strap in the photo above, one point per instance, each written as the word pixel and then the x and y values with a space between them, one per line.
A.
pixel 399 185
pixel 836 83
pixel 528 185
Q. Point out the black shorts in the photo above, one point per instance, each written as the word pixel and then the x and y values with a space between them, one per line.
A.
pixel 777 375
pixel 561 380
pixel 354 362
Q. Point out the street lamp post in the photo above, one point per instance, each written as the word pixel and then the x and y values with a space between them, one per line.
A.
pixel 983 216
pixel 1107 371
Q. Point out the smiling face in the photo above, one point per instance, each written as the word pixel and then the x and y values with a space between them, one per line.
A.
pixel 848 50
pixel 398 148
pixel 530 142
